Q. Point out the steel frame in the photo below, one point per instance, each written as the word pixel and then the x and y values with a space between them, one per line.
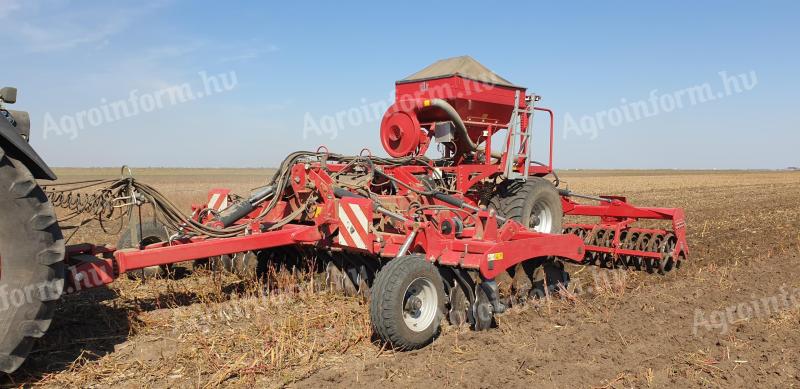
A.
pixel 485 246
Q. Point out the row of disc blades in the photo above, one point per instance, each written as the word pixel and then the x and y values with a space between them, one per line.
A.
pixel 661 243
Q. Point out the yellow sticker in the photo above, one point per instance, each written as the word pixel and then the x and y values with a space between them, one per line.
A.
pixel 317 212
pixel 495 257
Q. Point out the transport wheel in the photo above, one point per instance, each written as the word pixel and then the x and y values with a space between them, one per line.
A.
pixel 31 262
pixel 534 203
pixel 151 232
pixel 408 302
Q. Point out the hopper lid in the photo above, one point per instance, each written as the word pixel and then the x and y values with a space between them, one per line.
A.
pixel 464 66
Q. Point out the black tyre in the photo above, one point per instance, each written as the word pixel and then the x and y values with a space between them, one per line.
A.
pixel 534 203
pixel 151 232
pixel 31 262
pixel 408 302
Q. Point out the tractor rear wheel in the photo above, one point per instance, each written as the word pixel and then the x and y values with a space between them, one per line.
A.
pixel 408 302
pixel 31 262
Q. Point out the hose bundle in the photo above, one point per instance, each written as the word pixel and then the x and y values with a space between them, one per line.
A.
pixel 105 200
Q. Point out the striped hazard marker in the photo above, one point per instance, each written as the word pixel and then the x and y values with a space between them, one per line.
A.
pixel 354 224
pixel 218 199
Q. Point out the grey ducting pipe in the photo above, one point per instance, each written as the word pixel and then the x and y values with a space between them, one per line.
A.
pixel 460 126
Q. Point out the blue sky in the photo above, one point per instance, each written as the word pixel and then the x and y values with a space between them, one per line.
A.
pixel 291 61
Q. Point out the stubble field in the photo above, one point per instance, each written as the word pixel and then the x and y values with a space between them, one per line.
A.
pixel 689 328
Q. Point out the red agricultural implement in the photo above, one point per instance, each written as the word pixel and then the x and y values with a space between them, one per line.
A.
pixel 425 238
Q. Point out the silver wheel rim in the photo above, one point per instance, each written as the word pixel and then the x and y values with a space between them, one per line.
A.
pixel 420 305
pixel 545 215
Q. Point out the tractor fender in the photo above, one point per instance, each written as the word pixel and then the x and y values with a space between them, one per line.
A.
pixel 16 146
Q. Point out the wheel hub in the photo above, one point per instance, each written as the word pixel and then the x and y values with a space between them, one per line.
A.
pixel 420 304
pixel 541 218
pixel 414 304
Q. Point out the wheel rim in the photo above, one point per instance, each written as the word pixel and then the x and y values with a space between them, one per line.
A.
pixel 420 304
pixel 544 214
